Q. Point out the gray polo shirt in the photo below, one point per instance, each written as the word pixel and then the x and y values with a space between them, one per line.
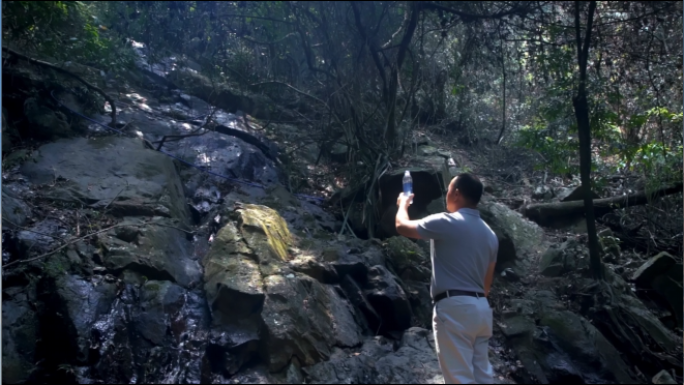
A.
pixel 461 248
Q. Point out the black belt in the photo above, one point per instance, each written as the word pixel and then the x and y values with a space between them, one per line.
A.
pixel 456 293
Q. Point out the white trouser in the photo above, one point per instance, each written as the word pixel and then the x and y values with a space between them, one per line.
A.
pixel 463 327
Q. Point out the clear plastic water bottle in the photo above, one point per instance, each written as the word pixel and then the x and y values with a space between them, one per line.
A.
pixel 407 181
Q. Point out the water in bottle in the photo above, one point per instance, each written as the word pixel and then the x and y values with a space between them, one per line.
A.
pixel 408 184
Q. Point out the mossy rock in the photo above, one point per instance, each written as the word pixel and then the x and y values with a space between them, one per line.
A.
pixel 403 253
pixel 265 231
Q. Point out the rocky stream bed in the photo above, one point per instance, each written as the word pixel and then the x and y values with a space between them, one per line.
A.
pixel 167 274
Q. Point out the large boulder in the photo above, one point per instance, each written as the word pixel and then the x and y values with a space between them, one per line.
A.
pixel 389 300
pixel 557 346
pixel 156 248
pixel 259 303
pixel 663 275
pixel 305 319
pixel 519 239
pixel 153 326
pixel 230 156
pixel 654 267
pixel 118 174
pixel 74 304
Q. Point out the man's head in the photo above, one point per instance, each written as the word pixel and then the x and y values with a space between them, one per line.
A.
pixel 465 191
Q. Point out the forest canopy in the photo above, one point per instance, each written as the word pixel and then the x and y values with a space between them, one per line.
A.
pixel 369 73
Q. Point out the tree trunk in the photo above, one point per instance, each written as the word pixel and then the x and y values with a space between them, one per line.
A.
pixel 503 108
pixel 546 214
pixel 579 102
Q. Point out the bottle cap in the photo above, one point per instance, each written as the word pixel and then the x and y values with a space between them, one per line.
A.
pixel 407 173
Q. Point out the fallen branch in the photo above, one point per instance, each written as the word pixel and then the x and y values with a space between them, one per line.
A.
pixel 68 73
pixel 59 248
pixel 545 214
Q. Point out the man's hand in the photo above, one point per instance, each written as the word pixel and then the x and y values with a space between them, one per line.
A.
pixel 405 226
pixel 404 201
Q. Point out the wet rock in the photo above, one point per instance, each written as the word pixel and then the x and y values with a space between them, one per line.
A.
pixel 19 335
pixel 304 319
pixel 160 302
pixel 14 210
pixel 146 333
pixel 228 156
pixel 653 268
pixel 155 248
pixel 73 306
pixel 117 173
pixel 233 285
pixel 518 237
pixel 413 361
pixel 41 237
pixel 388 299
pixel 205 198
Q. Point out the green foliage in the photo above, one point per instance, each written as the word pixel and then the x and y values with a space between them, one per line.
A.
pixel 559 155
pixel 63 31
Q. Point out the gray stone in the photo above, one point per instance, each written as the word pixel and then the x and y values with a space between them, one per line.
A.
pixel 81 303
pixel 388 299
pixel 117 173
pixel 652 268
pixel 154 248
pixel 552 263
pixel 519 238
pixel 304 319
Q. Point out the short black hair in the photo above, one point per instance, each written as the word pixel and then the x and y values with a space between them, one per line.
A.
pixel 470 186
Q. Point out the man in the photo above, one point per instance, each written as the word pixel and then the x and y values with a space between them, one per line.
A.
pixel 463 251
